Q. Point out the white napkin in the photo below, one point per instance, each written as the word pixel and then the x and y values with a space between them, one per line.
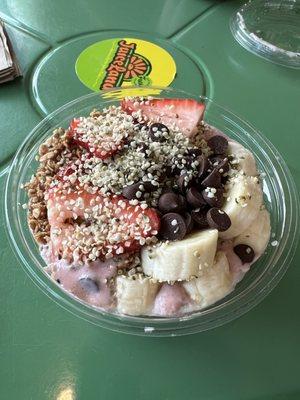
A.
pixel 9 67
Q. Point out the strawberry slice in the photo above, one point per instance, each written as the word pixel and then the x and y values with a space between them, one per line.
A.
pixel 96 224
pixel 66 171
pixel 97 142
pixel 183 113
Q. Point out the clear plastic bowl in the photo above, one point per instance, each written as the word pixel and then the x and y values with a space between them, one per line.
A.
pixel 280 197
pixel 270 29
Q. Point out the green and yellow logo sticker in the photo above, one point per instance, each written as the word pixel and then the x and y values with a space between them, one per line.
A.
pixel 122 62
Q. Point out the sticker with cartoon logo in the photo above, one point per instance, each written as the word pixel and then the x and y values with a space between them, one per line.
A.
pixel 122 62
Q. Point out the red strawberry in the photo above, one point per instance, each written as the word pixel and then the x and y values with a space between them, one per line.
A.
pixel 74 216
pixel 70 171
pixel 99 144
pixel 66 171
pixel 183 113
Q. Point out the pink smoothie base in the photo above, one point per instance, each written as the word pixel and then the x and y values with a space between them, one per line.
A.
pixel 171 300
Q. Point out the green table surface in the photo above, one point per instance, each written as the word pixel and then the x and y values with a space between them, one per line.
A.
pixel 47 353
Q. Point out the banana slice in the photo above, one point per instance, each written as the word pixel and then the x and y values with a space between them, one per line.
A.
pixel 135 295
pixel 246 160
pixel 243 202
pixel 257 234
pixel 214 284
pixel 179 260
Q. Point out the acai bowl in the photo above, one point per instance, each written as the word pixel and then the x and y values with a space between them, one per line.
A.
pixel 192 188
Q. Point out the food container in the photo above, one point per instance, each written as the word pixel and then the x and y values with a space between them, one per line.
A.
pixel 280 199
pixel 270 29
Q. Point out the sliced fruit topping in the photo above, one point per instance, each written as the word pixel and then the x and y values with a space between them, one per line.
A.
pixel 92 226
pixel 183 113
pixel 260 228
pixel 181 259
pixel 214 284
pixel 243 159
pixel 244 200
pixel 99 136
pixel 135 296
pixel 67 172
pixel 102 146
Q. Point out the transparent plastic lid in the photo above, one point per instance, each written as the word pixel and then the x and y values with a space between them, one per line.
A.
pixel 270 29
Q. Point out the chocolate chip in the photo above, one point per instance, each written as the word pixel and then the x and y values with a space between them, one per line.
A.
pixel 89 285
pixel 220 163
pixel 80 220
pixel 188 222
pixel 195 198
pixel 149 187
pixel 187 162
pixel 244 252
pixel 184 182
pixel 171 202
pixel 199 217
pixel 178 165
pixel 58 281
pixel 172 227
pixel 216 200
pixel 132 192
pixel 218 219
pixel 158 173
pixel 142 147
pixel 157 132
pixel 168 171
pixel 218 144
pixel 212 180
pixel 139 124
pixel 161 177
pixel 175 170
pixel 194 153
pixel 190 157
pixel 204 164
pixel 166 190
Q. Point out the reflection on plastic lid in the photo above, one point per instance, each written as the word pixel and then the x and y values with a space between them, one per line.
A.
pixel 66 394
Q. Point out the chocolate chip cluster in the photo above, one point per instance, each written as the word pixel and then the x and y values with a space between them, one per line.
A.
pixel 195 201
pixel 191 187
